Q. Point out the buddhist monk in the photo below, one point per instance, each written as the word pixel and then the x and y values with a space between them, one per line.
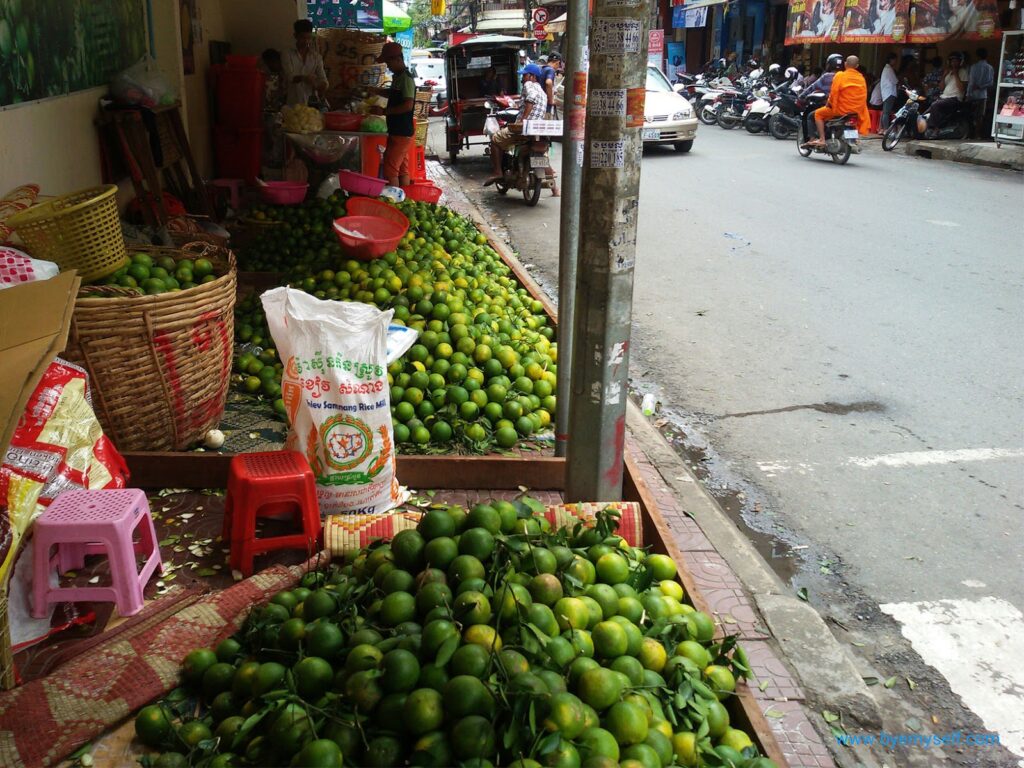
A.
pixel 849 94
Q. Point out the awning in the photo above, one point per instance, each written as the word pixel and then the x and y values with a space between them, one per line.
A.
pixel 395 19
pixel 557 26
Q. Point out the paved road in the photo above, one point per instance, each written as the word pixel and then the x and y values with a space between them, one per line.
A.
pixel 841 347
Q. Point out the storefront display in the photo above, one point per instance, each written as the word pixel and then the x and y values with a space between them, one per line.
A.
pixel 1008 120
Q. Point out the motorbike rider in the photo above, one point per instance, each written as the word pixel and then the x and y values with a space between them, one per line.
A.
pixel 848 93
pixel 954 88
pixel 534 104
pixel 823 84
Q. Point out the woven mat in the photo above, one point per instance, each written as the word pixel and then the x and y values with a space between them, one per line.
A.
pixel 44 720
pixel 343 533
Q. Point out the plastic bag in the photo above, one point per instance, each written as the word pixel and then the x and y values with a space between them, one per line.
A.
pixel 491 126
pixel 142 83
pixel 17 267
pixel 374 124
pixel 58 446
pixel 336 395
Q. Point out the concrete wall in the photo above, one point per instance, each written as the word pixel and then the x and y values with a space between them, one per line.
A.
pixel 197 119
pixel 251 32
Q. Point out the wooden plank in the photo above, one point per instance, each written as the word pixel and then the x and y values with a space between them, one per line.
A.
pixel 171 469
pixel 744 710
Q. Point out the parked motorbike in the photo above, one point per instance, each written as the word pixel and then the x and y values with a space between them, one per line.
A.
pixel 911 121
pixel 841 136
pixel 785 118
pixel 524 167
pixel 731 107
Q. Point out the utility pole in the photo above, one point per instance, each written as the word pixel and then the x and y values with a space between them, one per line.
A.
pixel 607 249
pixel 574 117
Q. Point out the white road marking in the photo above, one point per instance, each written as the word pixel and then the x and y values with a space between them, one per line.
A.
pixel 942 223
pixel 977 646
pixel 906 459
pixel 974 583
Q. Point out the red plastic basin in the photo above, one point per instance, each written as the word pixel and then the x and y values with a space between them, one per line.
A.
pixel 360 183
pixel 368 237
pixel 284 192
pixel 423 192
pixel 368 206
pixel 342 121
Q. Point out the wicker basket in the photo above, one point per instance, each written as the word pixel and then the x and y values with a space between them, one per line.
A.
pixel 7 678
pixel 78 231
pixel 421 109
pixel 159 365
pixel 421 134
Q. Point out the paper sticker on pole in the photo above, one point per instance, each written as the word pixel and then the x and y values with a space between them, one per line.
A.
pixel 616 37
pixel 608 102
pixel 607 154
pixel 635 107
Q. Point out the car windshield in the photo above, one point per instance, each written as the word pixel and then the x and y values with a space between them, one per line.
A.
pixel 657 81
pixel 431 68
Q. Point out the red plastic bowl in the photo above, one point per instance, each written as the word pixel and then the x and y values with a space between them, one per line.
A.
pixel 284 192
pixel 360 184
pixel 379 236
pixel 342 121
pixel 367 206
pixel 423 192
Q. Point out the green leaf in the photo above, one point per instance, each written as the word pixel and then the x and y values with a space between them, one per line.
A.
pixel 830 717
pixel 870 681
pixel 890 682
pixel 802 593
pixel 447 649
pixel 533 505
pixel 774 713
pixel 206 572
pixel 911 684
pixel 549 744
pixel 764 685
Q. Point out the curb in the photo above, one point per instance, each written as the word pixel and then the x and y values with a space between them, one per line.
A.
pixel 746 596
pixel 974 153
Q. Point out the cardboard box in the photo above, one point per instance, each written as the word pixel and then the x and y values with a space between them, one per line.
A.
pixel 35 319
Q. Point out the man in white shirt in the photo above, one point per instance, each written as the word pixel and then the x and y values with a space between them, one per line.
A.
pixel 954 86
pixel 889 84
pixel 303 67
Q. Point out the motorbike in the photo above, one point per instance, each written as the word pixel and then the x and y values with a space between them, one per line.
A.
pixel 841 136
pixel 785 119
pixel 759 111
pixel 910 121
pixel 525 167
pixel 731 105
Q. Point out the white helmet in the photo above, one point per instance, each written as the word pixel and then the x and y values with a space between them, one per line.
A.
pixel 791 73
pixel 774 68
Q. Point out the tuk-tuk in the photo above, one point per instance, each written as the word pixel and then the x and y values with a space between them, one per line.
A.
pixel 465 67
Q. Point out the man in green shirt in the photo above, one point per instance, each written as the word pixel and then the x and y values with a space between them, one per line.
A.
pixel 401 97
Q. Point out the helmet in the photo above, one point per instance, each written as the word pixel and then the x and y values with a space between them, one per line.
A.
pixel 531 69
pixel 791 73
pixel 554 57
pixel 774 68
pixel 543 59
pixel 834 61
pixel 752 62
pixel 721 63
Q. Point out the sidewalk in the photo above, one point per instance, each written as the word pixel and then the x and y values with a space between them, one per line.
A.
pixel 713 549
pixel 1009 156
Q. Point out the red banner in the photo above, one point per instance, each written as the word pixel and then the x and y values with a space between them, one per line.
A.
pixel 935 20
pixel 813 21
pixel 875 21
pixel 890 22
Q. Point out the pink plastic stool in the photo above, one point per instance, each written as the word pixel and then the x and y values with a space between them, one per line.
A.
pixel 80 523
pixel 234 190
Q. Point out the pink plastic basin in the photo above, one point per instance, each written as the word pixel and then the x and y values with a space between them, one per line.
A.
pixel 284 192
pixel 360 184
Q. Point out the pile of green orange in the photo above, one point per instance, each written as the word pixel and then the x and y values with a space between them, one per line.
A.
pixel 161 275
pixel 484 369
pixel 477 639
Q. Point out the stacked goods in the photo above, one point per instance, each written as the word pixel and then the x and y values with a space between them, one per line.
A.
pixel 483 371
pixel 350 60
pixel 164 274
pixel 301 119
pixel 476 639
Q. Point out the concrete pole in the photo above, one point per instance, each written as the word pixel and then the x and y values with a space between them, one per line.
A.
pixel 574 115
pixel 607 249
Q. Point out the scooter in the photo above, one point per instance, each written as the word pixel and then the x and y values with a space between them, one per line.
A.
pixel 785 118
pixel 526 166
pixel 911 122
pixel 841 136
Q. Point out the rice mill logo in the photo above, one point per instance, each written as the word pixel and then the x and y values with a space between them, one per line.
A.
pixel 346 441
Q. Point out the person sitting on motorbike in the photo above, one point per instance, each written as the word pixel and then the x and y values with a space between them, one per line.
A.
pixel 534 104
pixel 954 87
pixel 848 94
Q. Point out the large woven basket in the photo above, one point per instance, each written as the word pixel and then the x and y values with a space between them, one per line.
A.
pixel 78 231
pixel 159 365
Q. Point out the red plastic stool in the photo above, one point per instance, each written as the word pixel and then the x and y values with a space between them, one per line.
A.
pixel 418 165
pixel 268 485
pixel 876 119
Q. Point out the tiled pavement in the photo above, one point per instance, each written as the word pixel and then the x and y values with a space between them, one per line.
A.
pixel 779 695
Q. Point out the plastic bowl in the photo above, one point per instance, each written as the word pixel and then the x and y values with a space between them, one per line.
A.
pixel 342 121
pixel 380 236
pixel 422 192
pixel 360 184
pixel 367 206
pixel 284 192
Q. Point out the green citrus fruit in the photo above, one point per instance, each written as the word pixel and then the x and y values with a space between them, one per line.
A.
pixel 600 688
pixel 153 726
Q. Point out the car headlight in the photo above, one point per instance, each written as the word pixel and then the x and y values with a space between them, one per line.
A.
pixel 681 115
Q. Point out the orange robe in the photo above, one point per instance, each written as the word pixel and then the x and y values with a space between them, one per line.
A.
pixel 849 93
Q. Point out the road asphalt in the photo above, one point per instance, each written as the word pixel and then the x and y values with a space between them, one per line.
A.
pixel 834 351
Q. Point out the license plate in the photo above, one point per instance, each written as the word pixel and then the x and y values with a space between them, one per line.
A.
pixel 851 133
pixel 650 133
pixel 539 162
pixel 746 112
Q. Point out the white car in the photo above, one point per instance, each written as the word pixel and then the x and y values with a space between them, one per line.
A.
pixel 430 73
pixel 668 117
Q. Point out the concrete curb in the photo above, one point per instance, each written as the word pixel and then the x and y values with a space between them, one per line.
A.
pixel 1007 156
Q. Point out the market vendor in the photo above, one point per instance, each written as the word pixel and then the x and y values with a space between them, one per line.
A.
pixel 401 95
pixel 303 67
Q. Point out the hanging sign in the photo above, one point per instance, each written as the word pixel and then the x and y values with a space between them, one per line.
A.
pixel 437 8
pixel 540 17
